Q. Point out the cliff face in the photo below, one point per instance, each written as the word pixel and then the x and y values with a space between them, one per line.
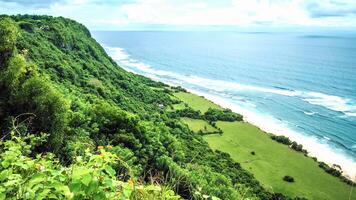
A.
pixel 56 79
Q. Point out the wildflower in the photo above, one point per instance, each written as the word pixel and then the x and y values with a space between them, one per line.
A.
pixel 100 147
pixel 109 147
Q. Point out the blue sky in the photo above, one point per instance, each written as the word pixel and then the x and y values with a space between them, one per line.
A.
pixel 193 14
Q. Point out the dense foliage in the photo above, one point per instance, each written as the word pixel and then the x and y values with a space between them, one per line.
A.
pixel 293 145
pixel 186 112
pixel 89 176
pixel 281 139
pixel 56 79
pixel 214 114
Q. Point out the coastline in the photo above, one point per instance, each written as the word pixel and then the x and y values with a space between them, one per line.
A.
pixel 268 124
pixel 315 149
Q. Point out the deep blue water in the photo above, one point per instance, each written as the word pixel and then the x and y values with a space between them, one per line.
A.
pixel 306 81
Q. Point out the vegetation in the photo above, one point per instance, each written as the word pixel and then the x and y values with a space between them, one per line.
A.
pixel 200 126
pixel 186 112
pixel 269 161
pixel 92 175
pixel 298 147
pixel 214 114
pixel 281 139
pixel 196 102
pixel 288 179
pixel 285 140
pixel 104 127
pixel 335 170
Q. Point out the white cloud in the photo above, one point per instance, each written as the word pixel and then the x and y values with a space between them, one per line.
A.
pixel 110 14
pixel 238 12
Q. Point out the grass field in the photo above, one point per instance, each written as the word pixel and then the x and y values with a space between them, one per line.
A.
pixel 179 106
pixel 196 102
pixel 198 124
pixel 272 161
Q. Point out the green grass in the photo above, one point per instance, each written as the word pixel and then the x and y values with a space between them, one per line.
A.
pixel 178 106
pixel 273 161
pixel 199 124
pixel 196 102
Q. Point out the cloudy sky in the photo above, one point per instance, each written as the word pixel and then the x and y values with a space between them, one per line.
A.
pixel 175 14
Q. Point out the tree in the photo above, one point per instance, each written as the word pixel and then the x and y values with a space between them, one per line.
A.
pixel 50 108
pixel 8 36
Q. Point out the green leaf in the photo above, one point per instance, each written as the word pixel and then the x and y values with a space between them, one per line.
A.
pixel 2 196
pixel 78 173
pixel 5 174
pixel 108 182
pixel 5 163
pixel 43 194
pixel 37 178
pixel 93 186
pixel 153 188
pixel 64 189
pixel 75 187
pixel 86 179
pixel 110 171
pixel 99 196
pixel 127 192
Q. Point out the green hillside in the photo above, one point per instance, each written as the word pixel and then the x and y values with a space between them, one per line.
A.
pixel 268 160
pixel 74 125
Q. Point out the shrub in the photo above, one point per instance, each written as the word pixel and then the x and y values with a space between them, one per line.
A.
pixel 188 112
pixel 298 147
pixel 281 139
pixel 214 114
pixel 330 170
pixel 91 176
pixel 8 34
pixel 288 179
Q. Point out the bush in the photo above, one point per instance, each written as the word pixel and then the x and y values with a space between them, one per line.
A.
pixel 214 114
pixel 299 147
pixel 330 170
pixel 8 34
pixel 91 176
pixel 188 112
pixel 288 179
pixel 281 139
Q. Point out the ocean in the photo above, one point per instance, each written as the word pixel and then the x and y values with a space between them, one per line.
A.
pixel 302 85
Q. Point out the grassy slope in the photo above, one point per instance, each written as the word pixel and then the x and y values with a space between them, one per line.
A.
pixel 272 160
pixel 239 139
pixel 196 102
pixel 198 124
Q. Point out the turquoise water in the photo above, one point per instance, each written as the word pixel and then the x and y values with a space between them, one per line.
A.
pixel 304 81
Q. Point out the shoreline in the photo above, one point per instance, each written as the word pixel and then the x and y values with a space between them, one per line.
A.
pixel 315 149
pixel 267 124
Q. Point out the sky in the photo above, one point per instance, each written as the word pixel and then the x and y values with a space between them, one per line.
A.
pixel 193 14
